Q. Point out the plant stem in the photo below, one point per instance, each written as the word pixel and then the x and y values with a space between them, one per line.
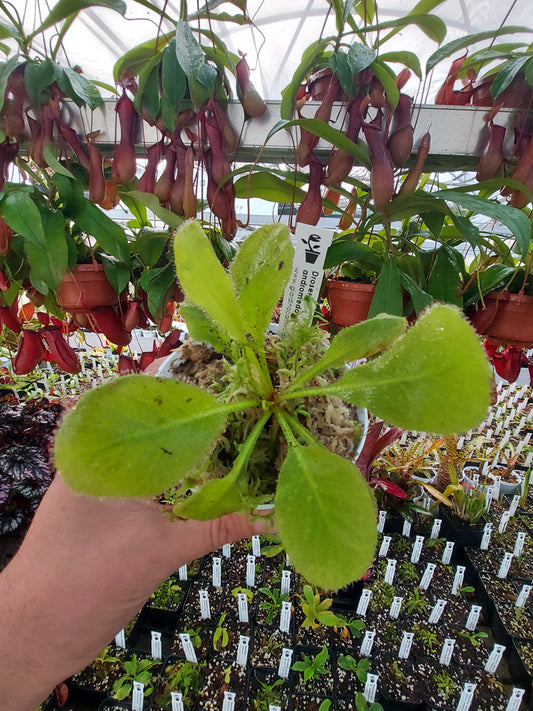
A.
pixel 287 432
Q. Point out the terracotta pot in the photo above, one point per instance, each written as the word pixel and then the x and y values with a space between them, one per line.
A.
pixel 349 301
pixel 86 288
pixel 507 318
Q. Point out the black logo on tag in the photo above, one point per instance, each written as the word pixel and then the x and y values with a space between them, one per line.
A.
pixel 312 244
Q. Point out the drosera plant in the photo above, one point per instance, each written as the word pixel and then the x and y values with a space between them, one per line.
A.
pixel 359 668
pixel 361 704
pixel 316 611
pixel 313 667
pixel 273 603
pixel 181 675
pixel 220 635
pixel 433 376
pixel 135 669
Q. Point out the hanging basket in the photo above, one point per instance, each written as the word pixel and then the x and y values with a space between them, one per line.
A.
pixel 86 288
pixel 506 318
pixel 349 301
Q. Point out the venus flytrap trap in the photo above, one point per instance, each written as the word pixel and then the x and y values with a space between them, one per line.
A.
pixel 139 436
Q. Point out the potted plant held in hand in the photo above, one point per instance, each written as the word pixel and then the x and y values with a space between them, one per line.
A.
pixel 251 433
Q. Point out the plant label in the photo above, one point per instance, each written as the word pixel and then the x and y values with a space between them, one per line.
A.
pixel 384 547
pixel 285 617
pixel 182 572
pixel 285 663
pixel 362 605
pixel 217 572
pixel 406 530
pixel 514 504
pixel 394 610
pixel 489 434
pixel 250 571
pixel 467 694
pixel 529 458
pixel 446 651
pixel 485 540
pixel 447 552
pixel 137 696
pixel 428 575
pixel 256 546
pixel 391 569
pixel 226 550
pixel 242 607
pixel 242 650
pixel 489 490
pixel 505 565
pixel 177 701
pixel 403 439
pixel 229 701
pixel 188 648
pixel 285 582
pixel 310 247
pixel 437 611
pixel 496 487
pixel 405 646
pixel 473 617
pixel 475 481
pixel 287 561
pixel 437 523
pixel 515 700
pixel 461 440
pixel 381 521
pixel 523 596
pixel 498 429
pixel 205 608
pixel 120 640
pixel 458 579
pixel 504 520
pixel 273 707
pixel 371 686
pixel 519 543
pixel 417 549
pixel 495 658
pixel 155 645
pixel 367 643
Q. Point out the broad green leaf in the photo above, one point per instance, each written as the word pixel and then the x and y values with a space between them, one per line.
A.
pixel 157 283
pixel 173 79
pixel 467 41
pixel 326 516
pixel 309 58
pixel 188 50
pixel 506 75
pixel 133 61
pixel 150 244
pixel 194 259
pixel 136 436
pixel 360 56
pixel 118 274
pixel 495 276
pixel 78 88
pixel 408 59
pixel 344 250
pixel 269 187
pixel 260 272
pixel 71 194
pixel 147 95
pixel 468 230
pixel 431 25
pixel 201 328
pixel 53 162
pixel 420 298
pixel 153 204
pixel 444 278
pixel 388 297
pixel 109 234
pixel 38 76
pixel 436 378
pixel 387 78
pixel 64 8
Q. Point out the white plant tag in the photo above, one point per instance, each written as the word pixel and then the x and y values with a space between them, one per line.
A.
pixel 473 617
pixel 137 696
pixel 428 575
pixel 226 550
pixel 250 571
pixel 495 658
pixel 496 487
pixel 437 523
pixel 461 440
pixel 523 596
pixel 467 695
pixel 120 640
pixel 256 546
pixel 391 569
pixel 489 434
pixel 205 608
pixel 381 521
pixel 447 552
pixel 285 663
pixel 405 646
pixel 529 458
pixel 488 497
pixel 367 643
pixel 285 616
pixel 475 481
pixel 362 605
pixel 515 700
pixel 188 648
pixel 406 529
pixel 285 582
pixel 436 612
pixel 384 547
pixel 371 686
pixel 177 701
pixel 217 572
pixel 395 607
pixel 519 543
pixel 505 565
pixel 447 651
pixel 485 540
pixel 403 439
pixel 182 572
pixel 242 650
pixel 155 645
pixel 458 580
pixel 514 504
pixel 498 428
pixel 229 701
pixel 242 607
pixel 311 244
pixel 273 707
pixel 504 520
pixel 417 549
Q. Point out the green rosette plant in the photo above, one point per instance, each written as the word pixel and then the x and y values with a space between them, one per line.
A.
pixel 140 435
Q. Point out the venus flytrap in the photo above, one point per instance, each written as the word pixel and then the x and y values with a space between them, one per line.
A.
pixel 139 436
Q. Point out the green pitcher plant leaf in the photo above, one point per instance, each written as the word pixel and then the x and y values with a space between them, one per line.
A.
pixel 388 297
pixel 65 8
pixel 326 516
pixel 126 438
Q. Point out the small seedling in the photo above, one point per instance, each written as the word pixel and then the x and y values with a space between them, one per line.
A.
pixel 427 637
pixel 445 684
pixel 416 602
pixel 317 611
pixel 103 664
pixel 360 668
pixel 243 591
pixel 361 704
pixel 220 635
pixel 267 695
pixel 474 637
pixel 139 670
pixel 273 604
pixel 313 667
